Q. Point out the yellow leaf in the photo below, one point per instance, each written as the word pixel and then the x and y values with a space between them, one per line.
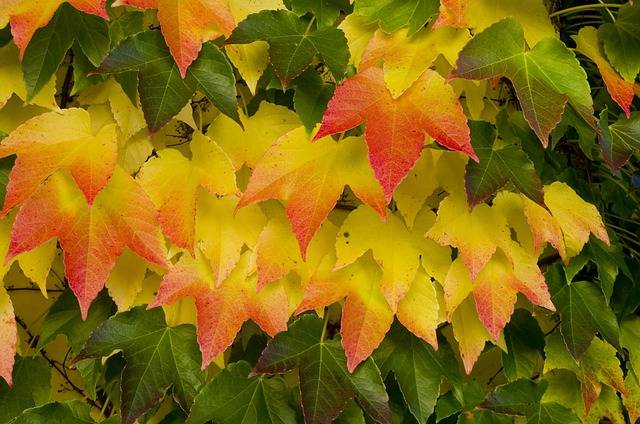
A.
pixel 419 309
pixel 8 336
pixel 125 281
pixel 261 130
pixel 417 186
pixel 512 207
pixel 532 15
pixel 134 152
pixel 469 332
pixel 405 59
pixel 576 218
pixel 436 259
pixel 36 263
pixel 358 35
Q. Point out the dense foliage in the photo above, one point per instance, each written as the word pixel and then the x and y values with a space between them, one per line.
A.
pixel 319 211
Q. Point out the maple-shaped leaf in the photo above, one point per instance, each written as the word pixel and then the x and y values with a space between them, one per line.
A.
pixel 69 411
pixel 599 365
pixel 171 181
pixel 621 40
pixel 395 132
pixel 31 388
pixel 545 77
pixel 393 248
pixel 90 156
pixel 583 312
pixel 406 58
pixel 87 35
pixel 577 218
pixel 619 139
pixel 544 228
pixel 325 11
pixel 223 310
pixel 392 15
pixel 185 24
pixel 317 360
pixel 476 234
pixel 8 336
pixel 588 44
pixel 525 344
pixel 498 166
pixel 418 368
pixel 91 237
pixel 157 357
pixel 310 177
pixel 311 97
pixel 147 53
pixel 233 397
pixel 291 46
pixel 366 315
pixel 27 16
pixel 452 14
pixel 525 398
pixel 412 193
pixel 247 144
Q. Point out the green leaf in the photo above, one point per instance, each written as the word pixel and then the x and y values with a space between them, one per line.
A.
pixel 417 367
pixel 50 44
pixel 6 164
pixel 64 318
pixel 291 46
pixel 311 97
pixel 31 387
pixel 622 41
pixel 544 77
pixel 157 357
pixel 524 397
pixel 326 11
pixel 498 166
pixel 67 412
pixel 629 330
pixel 92 373
pixel 163 93
pixel 583 312
pixel 608 258
pixel 464 402
pixel 232 397
pixel 325 383
pixel 525 344
pixel 586 133
pixel 395 14
pixel 619 139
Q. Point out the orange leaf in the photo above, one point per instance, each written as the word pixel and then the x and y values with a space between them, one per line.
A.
pixel 452 13
pixel 91 237
pixel 185 24
pixel 8 336
pixel 29 15
pixel 311 178
pixel 42 149
pixel 222 311
pixel 395 127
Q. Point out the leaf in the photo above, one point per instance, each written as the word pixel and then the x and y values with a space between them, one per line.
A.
pixel 66 412
pixel 406 58
pixel 185 25
pixel 366 315
pixel 325 383
pixel 620 139
pixel 545 77
pixel 291 46
pixel 621 41
pixel 524 397
pixel 157 357
pixel 498 166
pixel 525 344
pixel 312 179
pixel 90 156
pixel 599 365
pixel 91 238
pixel 26 17
pixel 395 14
pixel 171 181
pixel 588 44
pixel 8 336
pixel 31 388
pixel 325 11
pixel 64 318
pixel 233 397
pixel 147 54
pixel 632 399
pixel 583 312
pixel 259 131
pixel 395 127
pixel 311 97
pixel 576 218
pixel 223 310
pixel 418 368
pixel 452 14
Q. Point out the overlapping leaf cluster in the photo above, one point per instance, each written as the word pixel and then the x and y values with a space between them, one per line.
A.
pixel 320 210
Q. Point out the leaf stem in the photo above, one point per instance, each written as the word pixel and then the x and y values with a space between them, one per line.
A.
pixel 306 32
pixel 325 322
pixel 583 7
pixel 608 11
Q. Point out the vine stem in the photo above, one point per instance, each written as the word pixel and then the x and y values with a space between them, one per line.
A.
pixel 583 7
